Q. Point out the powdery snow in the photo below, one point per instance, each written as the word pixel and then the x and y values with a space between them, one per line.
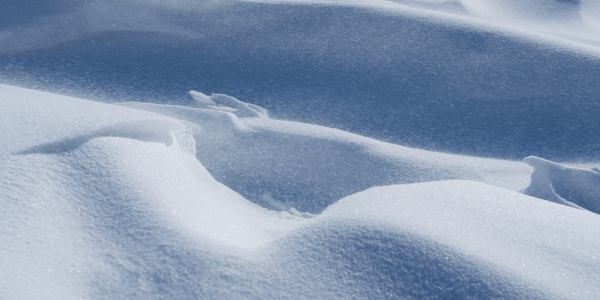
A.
pixel 570 186
pixel 127 210
pixel 309 167
pixel 198 194
pixel 406 74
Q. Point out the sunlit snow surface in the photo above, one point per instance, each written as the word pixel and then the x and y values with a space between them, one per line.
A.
pixel 191 181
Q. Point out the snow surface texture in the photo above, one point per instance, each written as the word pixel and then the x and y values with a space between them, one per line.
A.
pixel 283 164
pixel 579 188
pixel 103 201
pixel 210 197
pixel 438 75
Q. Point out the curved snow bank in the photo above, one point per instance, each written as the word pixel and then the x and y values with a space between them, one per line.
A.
pixel 569 186
pixel 33 119
pixel 160 131
pixel 121 215
pixel 85 212
pixel 439 240
pixel 180 188
pixel 153 152
pixel 496 241
pixel 282 165
pixel 76 209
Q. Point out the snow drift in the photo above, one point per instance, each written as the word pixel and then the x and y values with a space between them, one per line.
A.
pixel 432 78
pixel 119 206
pixel 283 164
pixel 574 187
pixel 231 194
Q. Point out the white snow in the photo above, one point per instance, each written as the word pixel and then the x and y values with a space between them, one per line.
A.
pixel 222 102
pixel 309 167
pixel 185 192
pixel 580 186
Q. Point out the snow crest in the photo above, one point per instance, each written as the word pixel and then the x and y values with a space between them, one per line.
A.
pixel 168 132
pixel 117 210
pixel 221 102
pixel 285 165
pixel 214 197
pixel 569 186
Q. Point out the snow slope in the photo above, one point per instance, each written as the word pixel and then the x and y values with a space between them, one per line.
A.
pixel 398 72
pixel 283 164
pixel 104 201
pixel 154 191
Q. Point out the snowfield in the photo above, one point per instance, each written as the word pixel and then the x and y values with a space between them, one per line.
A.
pixel 404 149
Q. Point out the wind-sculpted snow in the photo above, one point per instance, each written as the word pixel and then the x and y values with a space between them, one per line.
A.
pixel 147 131
pixel 206 180
pixel 128 213
pixel 413 76
pixel 220 102
pixel 281 164
pixel 573 187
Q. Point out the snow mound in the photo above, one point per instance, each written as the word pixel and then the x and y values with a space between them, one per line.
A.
pixel 569 186
pixel 211 197
pixel 287 165
pixel 118 208
pixel 470 240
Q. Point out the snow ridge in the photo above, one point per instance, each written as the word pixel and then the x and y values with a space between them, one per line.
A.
pixel 158 131
pixel 574 187
pixel 221 102
pixel 130 215
pixel 185 195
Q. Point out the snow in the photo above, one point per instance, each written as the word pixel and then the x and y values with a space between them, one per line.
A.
pixel 422 65
pixel 580 187
pixel 227 103
pixel 299 149
pixel 309 167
